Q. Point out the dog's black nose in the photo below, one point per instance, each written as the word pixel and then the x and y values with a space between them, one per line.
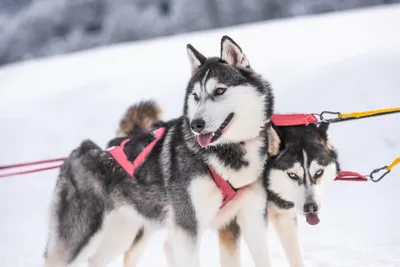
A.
pixel 310 208
pixel 197 125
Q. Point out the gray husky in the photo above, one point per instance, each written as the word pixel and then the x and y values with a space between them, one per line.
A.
pixel 293 181
pixel 98 208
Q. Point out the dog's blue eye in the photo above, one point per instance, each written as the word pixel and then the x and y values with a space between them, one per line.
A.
pixel 319 173
pixel 219 91
pixel 195 97
pixel 292 175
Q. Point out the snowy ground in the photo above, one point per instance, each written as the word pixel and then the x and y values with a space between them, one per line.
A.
pixel 346 62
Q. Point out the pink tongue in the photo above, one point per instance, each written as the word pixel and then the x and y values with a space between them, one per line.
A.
pixel 204 139
pixel 312 219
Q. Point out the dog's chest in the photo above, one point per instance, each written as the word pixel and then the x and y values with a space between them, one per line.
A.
pixel 253 160
pixel 251 197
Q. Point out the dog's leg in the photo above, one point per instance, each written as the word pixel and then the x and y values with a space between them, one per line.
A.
pixel 252 221
pixel 55 259
pixel 183 247
pixel 229 245
pixel 190 218
pixel 131 257
pixel 285 225
pixel 168 253
pixel 253 227
pixel 119 226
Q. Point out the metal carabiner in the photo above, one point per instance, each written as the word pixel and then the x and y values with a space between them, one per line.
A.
pixel 323 119
pixel 377 179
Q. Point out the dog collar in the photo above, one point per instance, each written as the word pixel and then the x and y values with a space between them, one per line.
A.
pixel 117 152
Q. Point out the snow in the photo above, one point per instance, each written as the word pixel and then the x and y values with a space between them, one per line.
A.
pixel 347 61
pixel 36 28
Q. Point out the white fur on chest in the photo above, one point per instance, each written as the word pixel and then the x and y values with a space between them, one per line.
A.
pixel 251 198
pixel 207 200
pixel 247 174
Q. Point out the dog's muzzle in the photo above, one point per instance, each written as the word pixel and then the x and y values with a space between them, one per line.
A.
pixel 204 139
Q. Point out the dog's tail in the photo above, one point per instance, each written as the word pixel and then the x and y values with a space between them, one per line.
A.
pixel 141 117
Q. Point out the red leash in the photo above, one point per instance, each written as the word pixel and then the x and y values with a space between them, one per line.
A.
pixel 6 167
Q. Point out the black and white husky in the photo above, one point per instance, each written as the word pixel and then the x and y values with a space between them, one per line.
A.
pixel 301 161
pixel 98 209
pixel 293 181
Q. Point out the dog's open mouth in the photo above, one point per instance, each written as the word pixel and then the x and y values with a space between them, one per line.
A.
pixel 207 138
pixel 312 218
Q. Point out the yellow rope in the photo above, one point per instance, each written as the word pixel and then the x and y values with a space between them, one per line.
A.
pixel 394 163
pixel 371 113
pixel 367 113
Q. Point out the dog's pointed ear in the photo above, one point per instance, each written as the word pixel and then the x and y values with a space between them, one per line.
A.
pixel 232 53
pixel 274 142
pixel 196 59
pixel 323 129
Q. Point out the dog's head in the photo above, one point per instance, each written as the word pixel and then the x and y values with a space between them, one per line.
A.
pixel 226 101
pixel 306 160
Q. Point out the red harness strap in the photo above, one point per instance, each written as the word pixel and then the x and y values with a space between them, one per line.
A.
pixel 350 176
pixel 293 119
pixel 117 152
pixel 227 191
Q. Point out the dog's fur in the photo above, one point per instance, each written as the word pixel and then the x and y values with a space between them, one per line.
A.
pixel 140 118
pixel 98 209
pixel 303 151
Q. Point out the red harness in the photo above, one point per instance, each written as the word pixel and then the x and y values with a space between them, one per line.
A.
pixel 293 119
pixel 117 152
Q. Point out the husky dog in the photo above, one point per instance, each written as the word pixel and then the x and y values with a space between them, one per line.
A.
pixel 98 208
pixel 293 181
